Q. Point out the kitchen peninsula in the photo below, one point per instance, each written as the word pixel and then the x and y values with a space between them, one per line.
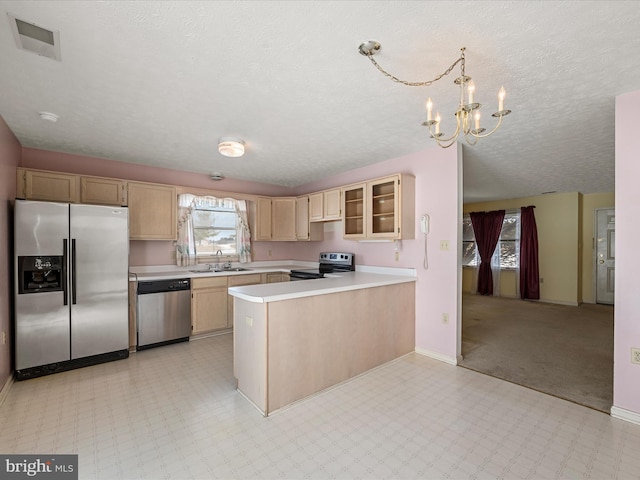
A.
pixel 294 339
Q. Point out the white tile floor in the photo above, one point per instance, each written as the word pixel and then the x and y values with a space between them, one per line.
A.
pixel 173 413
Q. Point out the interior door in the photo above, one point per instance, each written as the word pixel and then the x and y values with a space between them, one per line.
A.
pixel 605 255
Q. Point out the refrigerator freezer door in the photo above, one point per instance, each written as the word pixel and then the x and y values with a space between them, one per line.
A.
pixel 42 318
pixel 99 261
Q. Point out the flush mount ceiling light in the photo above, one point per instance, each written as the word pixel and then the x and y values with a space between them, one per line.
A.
pixel 467 108
pixel 231 147
pixel 48 116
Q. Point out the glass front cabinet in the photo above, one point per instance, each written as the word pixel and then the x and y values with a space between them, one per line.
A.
pixel 354 211
pixel 383 208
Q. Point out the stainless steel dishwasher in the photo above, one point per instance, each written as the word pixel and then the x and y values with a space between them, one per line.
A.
pixel 164 312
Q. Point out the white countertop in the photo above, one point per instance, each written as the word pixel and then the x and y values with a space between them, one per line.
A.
pixel 171 272
pixel 332 283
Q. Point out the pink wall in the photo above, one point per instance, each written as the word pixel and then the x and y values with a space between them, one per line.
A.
pixel 9 160
pixel 626 384
pixel 65 162
pixel 438 175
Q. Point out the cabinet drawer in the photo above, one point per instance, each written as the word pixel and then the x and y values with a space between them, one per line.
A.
pixel 237 280
pixel 208 282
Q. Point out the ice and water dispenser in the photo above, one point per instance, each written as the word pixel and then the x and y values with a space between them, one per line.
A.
pixel 40 274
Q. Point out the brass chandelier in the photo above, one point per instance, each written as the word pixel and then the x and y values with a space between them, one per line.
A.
pixel 468 111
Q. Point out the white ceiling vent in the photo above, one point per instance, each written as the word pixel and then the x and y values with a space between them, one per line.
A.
pixel 36 39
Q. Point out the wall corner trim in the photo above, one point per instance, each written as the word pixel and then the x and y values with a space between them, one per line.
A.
pixel 5 389
pixel 626 415
pixel 437 356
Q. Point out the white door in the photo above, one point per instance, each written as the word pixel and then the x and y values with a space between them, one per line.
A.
pixel 605 255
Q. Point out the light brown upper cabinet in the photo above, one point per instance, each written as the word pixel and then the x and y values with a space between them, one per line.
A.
pixel 325 206
pixel 49 186
pixel 391 207
pixel 354 211
pixel 332 205
pixel 152 211
pixel 382 208
pixel 306 231
pixel 283 218
pixel 70 188
pixel 275 219
pixel 263 219
pixel 103 191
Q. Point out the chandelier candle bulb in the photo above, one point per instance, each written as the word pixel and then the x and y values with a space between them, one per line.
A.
pixel 501 94
pixel 429 109
pixel 471 89
pixel 477 120
pixel 437 122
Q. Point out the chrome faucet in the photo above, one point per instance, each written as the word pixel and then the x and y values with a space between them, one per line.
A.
pixel 219 252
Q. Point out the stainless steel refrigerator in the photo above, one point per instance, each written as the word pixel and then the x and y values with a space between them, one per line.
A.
pixel 71 286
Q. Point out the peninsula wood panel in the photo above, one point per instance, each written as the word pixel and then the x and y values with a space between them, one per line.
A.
pixel 319 341
pixel 250 351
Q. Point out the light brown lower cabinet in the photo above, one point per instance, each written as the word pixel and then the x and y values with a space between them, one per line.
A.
pixel 212 307
pixel 276 277
pixel 208 304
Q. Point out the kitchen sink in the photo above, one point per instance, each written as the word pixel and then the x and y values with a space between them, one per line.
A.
pixel 220 270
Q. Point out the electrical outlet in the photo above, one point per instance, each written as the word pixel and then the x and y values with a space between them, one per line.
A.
pixel 397 256
pixel 444 245
pixel 635 355
pixel 445 318
pixel 4 338
pixel 249 320
pixel 269 253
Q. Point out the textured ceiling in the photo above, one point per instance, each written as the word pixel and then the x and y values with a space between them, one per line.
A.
pixel 158 82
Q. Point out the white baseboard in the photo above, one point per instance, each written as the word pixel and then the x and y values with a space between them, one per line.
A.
pixel 626 415
pixel 437 356
pixel 5 389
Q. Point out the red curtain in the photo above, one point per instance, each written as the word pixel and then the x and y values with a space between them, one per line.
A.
pixel 529 273
pixel 486 228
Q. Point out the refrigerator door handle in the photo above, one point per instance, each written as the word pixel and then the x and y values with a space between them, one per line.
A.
pixel 65 292
pixel 73 271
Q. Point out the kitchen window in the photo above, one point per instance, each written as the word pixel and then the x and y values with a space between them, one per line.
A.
pixel 214 229
pixel 508 245
pixel 208 226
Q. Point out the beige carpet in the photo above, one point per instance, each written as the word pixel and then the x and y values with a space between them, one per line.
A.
pixel 560 350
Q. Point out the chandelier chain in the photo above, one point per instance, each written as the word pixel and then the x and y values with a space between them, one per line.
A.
pixel 419 84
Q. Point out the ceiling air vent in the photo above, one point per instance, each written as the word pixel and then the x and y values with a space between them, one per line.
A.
pixel 36 39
